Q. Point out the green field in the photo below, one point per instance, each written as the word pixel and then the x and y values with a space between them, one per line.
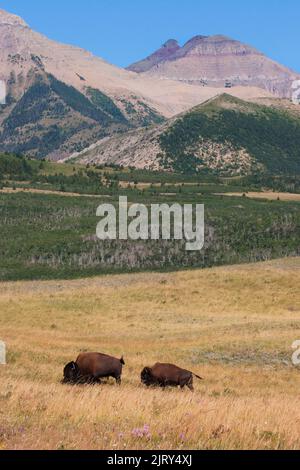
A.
pixel 52 236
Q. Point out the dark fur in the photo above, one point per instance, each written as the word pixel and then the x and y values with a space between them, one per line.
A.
pixel 168 375
pixel 92 367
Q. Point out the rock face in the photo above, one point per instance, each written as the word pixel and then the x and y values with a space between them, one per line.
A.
pixel 218 61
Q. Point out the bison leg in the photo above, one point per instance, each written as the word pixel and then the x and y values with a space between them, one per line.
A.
pixel 118 380
pixel 89 380
pixel 190 384
pixel 93 380
pixel 97 381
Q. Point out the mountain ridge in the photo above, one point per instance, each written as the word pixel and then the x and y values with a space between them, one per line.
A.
pixel 11 19
pixel 78 67
pixel 44 120
pixel 218 60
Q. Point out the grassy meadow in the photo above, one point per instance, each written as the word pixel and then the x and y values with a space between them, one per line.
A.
pixel 62 291
pixel 232 325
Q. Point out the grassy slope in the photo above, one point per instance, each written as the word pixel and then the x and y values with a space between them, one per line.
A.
pixel 234 326
pixel 270 136
pixel 224 136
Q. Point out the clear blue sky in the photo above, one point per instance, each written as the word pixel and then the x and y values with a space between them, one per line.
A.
pixel 123 31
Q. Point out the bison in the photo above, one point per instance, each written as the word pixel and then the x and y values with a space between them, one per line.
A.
pixel 92 367
pixel 168 375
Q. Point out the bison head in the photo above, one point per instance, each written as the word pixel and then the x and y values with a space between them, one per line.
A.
pixel 71 373
pixel 146 376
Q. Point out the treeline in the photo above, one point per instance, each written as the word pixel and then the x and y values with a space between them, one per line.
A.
pixel 16 167
pixel 284 184
pixel 106 104
pixel 101 179
pixel 81 182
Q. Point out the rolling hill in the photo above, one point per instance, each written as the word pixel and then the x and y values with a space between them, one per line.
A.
pixel 224 136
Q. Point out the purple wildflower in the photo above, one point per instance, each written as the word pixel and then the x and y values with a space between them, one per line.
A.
pixel 142 432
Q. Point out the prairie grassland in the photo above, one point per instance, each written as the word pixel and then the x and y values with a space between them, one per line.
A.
pixel 48 191
pixel 233 325
pixel 269 195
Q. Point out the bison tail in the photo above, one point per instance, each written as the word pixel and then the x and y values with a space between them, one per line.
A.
pixel 122 360
pixel 198 377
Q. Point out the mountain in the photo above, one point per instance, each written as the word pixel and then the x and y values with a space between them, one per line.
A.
pixel 224 136
pixel 166 51
pixel 53 119
pixel 60 98
pixel 51 108
pixel 216 61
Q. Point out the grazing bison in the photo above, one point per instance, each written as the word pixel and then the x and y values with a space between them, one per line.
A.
pixel 168 375
pixel 92 367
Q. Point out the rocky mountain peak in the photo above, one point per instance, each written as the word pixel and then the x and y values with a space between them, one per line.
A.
pixel 166 51
pixel 170 44
pixel 215 45
pixel 218 61
pixel 195 40
pixel 10 19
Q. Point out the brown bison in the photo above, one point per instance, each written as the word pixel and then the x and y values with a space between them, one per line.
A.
pixel 92 367
pixel 168 375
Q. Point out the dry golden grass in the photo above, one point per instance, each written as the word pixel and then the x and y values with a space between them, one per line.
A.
pixel 233 325
pixel 269 195
pixel 48 191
